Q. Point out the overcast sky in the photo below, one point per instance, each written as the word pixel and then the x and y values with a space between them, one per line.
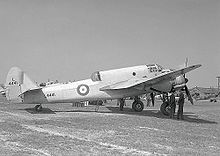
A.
pixel 70 39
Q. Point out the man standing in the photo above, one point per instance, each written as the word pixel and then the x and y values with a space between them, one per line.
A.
pixel 121 104
pixel 172 105
pixel 181 104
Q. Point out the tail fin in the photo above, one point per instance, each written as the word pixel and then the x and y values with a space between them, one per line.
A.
pixel 17 82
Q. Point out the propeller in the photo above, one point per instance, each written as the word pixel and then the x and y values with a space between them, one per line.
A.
pixel 185 64
pixel 186 88
pixel 181 81
pixel 188 95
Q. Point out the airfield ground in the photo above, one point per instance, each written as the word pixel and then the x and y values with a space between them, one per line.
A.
pixel 61 129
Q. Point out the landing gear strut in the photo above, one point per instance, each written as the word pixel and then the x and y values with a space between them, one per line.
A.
pixel 38 108
pixel 165 107
pixel 137 105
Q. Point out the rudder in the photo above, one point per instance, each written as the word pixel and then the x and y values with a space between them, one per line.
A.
pixel 17 82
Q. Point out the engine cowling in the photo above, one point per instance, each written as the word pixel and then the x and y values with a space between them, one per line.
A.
pixel 179 80
pixel 164 86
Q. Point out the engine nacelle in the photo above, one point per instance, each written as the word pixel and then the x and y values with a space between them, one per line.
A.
pixel 164 86
pixel 179 80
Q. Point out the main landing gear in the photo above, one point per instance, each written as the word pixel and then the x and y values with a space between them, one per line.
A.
pixel 165 107
pixel 38 108
pixel 137 105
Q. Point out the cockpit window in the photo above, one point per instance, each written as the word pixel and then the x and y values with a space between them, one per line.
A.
pixel 154 67
pixel 96 76
pixel 160 68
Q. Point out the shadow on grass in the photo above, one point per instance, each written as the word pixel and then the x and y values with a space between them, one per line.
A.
pixel 44 111
pixel 188 116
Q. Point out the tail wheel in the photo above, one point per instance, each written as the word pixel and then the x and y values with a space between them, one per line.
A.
pixel 138 106
pixel 38 108
pixel 165 108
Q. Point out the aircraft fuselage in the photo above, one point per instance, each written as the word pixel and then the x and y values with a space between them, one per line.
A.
pixel 89 89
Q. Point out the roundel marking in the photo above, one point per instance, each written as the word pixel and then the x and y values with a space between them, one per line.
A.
pixel 83 89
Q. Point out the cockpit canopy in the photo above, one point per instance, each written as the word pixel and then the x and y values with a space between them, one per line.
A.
pixel 96 76
pixel 155 67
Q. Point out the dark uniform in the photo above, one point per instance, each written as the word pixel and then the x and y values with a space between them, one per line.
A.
pixel 181 104
pixel 172 105
pixel 121 104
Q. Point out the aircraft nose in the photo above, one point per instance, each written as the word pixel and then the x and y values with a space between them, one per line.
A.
pixel 180 80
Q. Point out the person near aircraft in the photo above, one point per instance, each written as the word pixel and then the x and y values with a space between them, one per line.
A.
pixel 172 105
pixel 181 104
pixel 152 95
pixel 121 104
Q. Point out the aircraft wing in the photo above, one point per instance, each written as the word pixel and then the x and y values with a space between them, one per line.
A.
pixel 149 81
pixel 124 84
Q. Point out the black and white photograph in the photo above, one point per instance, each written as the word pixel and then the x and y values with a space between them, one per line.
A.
pixel 109 77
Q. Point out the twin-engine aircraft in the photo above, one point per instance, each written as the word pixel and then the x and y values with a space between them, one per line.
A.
pixel 102 85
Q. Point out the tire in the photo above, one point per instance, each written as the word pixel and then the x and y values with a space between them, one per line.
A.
pixel 38 108
pixel 165 108
pixel 137 106
pixel 133 105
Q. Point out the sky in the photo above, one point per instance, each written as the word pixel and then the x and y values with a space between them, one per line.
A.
pixel 70 39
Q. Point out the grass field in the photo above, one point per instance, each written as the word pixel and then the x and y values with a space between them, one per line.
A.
pixel 61 129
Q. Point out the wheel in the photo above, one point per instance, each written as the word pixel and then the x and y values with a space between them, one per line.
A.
pixel 165 108
pixel 138 106
pixel 133 105
pixel 38 108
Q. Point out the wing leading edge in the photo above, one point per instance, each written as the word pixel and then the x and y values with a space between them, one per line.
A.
pixel 149 81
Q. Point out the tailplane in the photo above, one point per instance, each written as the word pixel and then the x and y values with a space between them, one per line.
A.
pixel 17 82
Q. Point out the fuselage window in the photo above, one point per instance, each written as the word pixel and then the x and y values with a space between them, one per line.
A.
pixel 153 69
pixel 160 68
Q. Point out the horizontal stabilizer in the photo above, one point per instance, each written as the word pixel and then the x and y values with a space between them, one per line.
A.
pixel 32 89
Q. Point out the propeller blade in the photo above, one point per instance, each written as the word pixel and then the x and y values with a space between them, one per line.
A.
pixel 152 98
pixel 186 64
pixel 188 95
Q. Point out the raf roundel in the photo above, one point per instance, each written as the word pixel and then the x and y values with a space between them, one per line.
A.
pixel 83 89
